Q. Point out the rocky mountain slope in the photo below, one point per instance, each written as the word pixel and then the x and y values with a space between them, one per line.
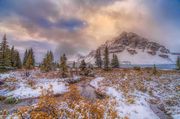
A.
pixel 134 49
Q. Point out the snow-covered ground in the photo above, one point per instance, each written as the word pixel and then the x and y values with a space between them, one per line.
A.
pixel 23 90
pixel 135 104
pixel 141 107
pixel 96 81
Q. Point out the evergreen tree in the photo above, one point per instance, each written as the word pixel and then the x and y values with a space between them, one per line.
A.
pixel 82 65
pixel 6 53
pixel 30 61
pixel 98 58
pixel 47 64
pixel 12 57
pixel 25 57
pixel 154 70
pixel 1 57
pixel 178 63
pixel 63 66
pixel 32 56
pixel 115 62
pixel 9 57
pixel 74 65
pixel 18 63
pixel 106 59
pixel 4 44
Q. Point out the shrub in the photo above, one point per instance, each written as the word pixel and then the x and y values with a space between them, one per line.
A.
pixel 140 86
pixel 130 100
pixel 31 83
pixel 11 100
pixel 2 98
pixel 148 79
pixel 72 106
pixel 137 68
pixel 47 107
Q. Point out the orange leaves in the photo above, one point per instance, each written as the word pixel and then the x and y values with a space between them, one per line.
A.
pixel 72 106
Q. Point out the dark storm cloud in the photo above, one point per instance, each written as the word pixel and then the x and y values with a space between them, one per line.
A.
pixel 37 13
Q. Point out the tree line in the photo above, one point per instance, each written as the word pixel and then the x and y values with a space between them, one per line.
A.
pixel 10 58
pixel 105 62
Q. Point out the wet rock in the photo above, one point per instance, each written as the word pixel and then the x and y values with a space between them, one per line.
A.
pixel 152 52
pixel 164 56
pixel 100 94
pixel 1 82
pixel 131 51
pixel 171 102
pixel 142 44
pixel 153 46
pixel 164 50
pixel 115 49
pixel 161 114
pixel 154 101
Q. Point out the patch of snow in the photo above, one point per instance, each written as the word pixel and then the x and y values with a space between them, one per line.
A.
pixel 177 116
pixel 96 81
pixel 6 75
pixel 27 92
pixel 76 78
pixel 140 109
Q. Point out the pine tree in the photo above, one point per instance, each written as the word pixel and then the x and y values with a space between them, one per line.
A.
pixel 74 65
pixel 1 57
pixel 12 57
pixel 106 59
pixel 9 57
pixel 115 62
pixel 47 64
pixel 6 53
pixel 4 44
pixel 154 70
pixel 98 58
pixel 82 65
pixel 63 66
pixel 25 57
pixel 18 63
pixel 178 63
pixel 30 61
pixel 32 56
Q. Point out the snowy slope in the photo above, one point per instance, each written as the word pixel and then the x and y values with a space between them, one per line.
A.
pixel 140 109
pixel 141 58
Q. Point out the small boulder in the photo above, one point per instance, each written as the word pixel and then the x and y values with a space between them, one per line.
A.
pixel 1 82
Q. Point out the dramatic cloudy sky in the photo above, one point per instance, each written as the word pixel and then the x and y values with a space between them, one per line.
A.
pixel 78 26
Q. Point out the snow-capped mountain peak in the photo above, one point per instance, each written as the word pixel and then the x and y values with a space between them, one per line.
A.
pixel 132 48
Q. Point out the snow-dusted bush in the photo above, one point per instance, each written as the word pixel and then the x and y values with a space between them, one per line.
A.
pixel 11 100
pixel 72 106
pixel 2 98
